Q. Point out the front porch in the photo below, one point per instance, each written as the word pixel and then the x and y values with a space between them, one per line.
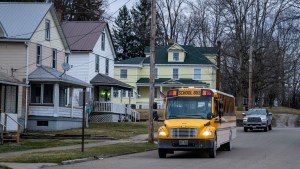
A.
pixel 105 106
pixel 118 112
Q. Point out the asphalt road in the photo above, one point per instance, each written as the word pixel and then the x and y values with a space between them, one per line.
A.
pixel 276 149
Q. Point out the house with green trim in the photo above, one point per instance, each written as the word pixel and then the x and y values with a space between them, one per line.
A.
pixel 175 66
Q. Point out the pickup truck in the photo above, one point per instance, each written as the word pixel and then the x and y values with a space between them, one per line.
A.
pixel 257 118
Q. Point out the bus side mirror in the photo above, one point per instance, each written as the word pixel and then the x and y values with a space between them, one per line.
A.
pixel 155 105
pixel 209 116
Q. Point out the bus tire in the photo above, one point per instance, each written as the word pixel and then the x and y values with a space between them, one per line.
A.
pixel 162 153
pixel 228 146
pixel 212 152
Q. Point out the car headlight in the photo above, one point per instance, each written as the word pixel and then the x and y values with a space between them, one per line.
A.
pixel 207 133
pixel 263 120
pixel 245 119
pixel 162 133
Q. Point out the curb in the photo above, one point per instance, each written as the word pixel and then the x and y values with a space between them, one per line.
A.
pixel 74 161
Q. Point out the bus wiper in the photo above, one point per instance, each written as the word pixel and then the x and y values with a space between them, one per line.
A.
pixel 196 115
pixel 172 117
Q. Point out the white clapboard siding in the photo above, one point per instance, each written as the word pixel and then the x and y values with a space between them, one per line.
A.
pixel 41 110
pixel 67 112
pixel 10 124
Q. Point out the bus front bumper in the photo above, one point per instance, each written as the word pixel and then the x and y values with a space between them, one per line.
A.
pixel 185 145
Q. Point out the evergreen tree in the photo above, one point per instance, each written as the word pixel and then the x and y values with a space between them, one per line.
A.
pixel 141 14
pixel 123 37
pixel 80 10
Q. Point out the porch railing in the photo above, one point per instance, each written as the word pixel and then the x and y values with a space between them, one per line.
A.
pixel 4 126
pixel 116 108
pixel 109 107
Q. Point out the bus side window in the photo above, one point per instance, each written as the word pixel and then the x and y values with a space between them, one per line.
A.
pixel 216 108
pixel 221 108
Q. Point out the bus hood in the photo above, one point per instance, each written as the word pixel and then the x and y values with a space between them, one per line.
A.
pixel 185 123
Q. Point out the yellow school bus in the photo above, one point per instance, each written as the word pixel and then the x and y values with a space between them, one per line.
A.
pixel 197 119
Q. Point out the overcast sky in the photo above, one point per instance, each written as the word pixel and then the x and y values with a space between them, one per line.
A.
pixel 116 4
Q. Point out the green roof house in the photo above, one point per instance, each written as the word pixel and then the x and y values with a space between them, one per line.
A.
pixel 175 66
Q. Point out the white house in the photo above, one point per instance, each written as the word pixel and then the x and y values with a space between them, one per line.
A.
pixel 92 61
pixel 32 50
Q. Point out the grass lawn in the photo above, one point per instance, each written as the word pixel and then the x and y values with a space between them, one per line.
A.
pixel 27 144
pixel 116 130
pixel 274 110
pixel 110 129
pixel 4 167
pixel 99 151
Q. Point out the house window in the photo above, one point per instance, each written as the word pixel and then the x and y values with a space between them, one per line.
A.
pixel 48 93
pixel 116 93
pixel 197 73
pixel 107 66
pixel 103 41
pixel 175 56
pixel 123 93
pixel 97 63
pixel 175 73
pixel 156 73
pixel 10 101
pixel 36 91
pixel 123 73
pixel 63 95
pixel 42 93
pixel 54 58
pixel 155 92
pixel 42 123
pixel 47 29
pixel 130 93
pixel 38 54
pixel 67 58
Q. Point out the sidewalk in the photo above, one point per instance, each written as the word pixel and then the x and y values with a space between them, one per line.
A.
pixel 137 139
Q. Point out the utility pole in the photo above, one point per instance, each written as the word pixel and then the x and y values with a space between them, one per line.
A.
pixel 218 66
pixel 250 62
pixel 83 119
pixel 152 66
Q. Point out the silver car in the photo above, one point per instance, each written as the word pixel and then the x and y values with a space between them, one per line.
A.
pixel 257 118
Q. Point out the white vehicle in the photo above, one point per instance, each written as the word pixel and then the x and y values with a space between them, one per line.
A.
pixel 257 118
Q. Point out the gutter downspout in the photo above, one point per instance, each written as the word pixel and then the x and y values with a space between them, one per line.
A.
pixel 26 94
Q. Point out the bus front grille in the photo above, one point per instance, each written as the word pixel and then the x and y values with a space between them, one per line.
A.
pixel 184 132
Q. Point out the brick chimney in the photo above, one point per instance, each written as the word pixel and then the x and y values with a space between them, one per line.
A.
pixel 171 41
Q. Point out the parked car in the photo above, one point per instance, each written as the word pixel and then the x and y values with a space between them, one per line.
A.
pixel 257 118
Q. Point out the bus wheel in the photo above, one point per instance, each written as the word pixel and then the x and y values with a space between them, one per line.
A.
pixel 162 153
pixel 228 146
pixel 212 152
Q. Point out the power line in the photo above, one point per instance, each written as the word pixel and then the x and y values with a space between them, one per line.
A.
pixel 63 50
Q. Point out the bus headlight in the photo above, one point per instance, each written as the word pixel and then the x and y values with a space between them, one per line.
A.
pixel 162 133
pixel 207 133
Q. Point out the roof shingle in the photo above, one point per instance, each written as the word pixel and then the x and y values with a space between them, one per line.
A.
pixel 83 35
pixel 43 73
pixel 103 80
pixel 20 20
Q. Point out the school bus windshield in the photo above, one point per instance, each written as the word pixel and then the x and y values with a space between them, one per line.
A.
pixel 188 107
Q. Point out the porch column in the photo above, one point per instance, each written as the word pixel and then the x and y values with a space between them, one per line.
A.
pixel 56 100
pixel 111 94
pixel 71 89
pixel 121 95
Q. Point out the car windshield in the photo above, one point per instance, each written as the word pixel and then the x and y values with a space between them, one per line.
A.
pixel 257 112
pixel 188 107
